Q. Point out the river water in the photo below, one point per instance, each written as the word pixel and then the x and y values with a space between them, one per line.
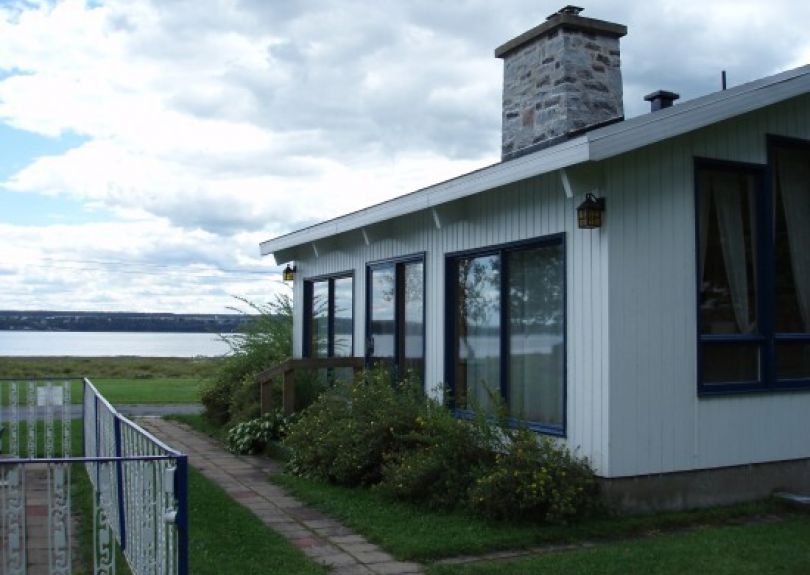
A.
pixel 107 344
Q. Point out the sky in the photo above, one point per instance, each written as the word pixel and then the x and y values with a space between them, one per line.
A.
pixel 148 147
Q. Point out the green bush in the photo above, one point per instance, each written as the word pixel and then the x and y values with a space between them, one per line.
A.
pixel 348 433
pixel 411 448
pixel 534 479
pixel 254 436
pixel 443 458
pixel 233 394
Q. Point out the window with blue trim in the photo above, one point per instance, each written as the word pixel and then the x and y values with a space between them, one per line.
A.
pixel 328 316
pixel 395 315
pixel 506 331
pixel 754 272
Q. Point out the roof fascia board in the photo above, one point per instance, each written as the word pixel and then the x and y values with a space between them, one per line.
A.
pixel 565 154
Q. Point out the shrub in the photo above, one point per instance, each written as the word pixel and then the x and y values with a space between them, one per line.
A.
pixel 253 436
pixel 233 395
pixel 411 448
pixel 533 478
pixel 442 459
pixel 348 433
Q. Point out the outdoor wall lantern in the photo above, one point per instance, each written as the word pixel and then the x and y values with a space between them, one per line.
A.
pixel 589 212
pixel 288 274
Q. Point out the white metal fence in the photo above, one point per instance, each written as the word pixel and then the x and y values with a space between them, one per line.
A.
pixel 139 484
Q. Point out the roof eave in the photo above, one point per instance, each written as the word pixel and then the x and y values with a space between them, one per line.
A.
pixel 596 145
pixel 568 153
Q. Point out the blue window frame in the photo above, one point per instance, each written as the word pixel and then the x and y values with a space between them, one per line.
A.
pixel 395 315
pixel 505 329
pixel 753 271
pixel 329 316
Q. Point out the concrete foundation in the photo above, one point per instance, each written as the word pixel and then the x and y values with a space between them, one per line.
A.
pixel 705 487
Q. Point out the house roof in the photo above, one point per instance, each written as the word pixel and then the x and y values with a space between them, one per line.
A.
pixel 592 146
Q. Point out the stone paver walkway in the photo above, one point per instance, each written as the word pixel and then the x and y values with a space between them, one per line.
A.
pixel 318 536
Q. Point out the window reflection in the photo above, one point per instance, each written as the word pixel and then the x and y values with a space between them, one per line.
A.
pixel 478 326
pixel 342 345
pixel 381 321
pixel 319 343
pixel 414 317
pixel 329 316
pixel 396 328
pixel 536 338
pixel 509 332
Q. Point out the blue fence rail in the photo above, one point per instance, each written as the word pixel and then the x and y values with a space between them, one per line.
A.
pixel 139 485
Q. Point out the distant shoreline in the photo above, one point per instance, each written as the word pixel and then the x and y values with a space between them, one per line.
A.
pixel 120 322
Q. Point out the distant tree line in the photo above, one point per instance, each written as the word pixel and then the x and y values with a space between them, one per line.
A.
pixel 117 321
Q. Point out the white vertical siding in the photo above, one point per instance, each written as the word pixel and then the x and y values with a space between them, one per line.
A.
pixel 658 423
pixel 528 209
pixel 632 403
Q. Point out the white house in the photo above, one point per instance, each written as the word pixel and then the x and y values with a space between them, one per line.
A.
pixel 670 345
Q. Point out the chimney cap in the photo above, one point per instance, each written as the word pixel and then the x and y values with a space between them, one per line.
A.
pixel 661 99
pixel 568 18
pixel 575 10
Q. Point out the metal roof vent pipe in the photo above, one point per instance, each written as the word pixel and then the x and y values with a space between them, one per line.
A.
pixel 661 99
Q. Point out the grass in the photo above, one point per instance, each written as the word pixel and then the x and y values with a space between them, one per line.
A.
pixel 227 538
pixel 410 532
pixel 158 390
pixel 108 367
pixel 737 539
pixel 22 438
pixel 127 391
pixel 758 548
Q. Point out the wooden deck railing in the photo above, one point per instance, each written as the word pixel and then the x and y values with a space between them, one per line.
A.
pixel 287 372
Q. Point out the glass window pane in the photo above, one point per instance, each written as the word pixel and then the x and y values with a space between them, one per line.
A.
pixel 728 286
pixel 342 344
pixel 730 363
pixel 792 240
pixel 319 323
pixel 536 338
pixel 414 325
pixel 381 315
pixel 793 360
pixel 478 326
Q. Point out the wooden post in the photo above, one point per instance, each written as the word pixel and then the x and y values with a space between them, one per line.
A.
pixel 266 396
pixel 357 369
pixel 288 391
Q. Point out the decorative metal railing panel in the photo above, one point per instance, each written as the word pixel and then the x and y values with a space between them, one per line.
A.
pixel 139 485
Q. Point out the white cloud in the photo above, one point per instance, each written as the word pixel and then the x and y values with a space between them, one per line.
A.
pixel 133 266
pixel 229 122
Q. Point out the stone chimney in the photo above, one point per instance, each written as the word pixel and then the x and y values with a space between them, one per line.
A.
pixel 559 79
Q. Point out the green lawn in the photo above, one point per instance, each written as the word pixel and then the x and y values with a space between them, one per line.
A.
pixel 755 549
pixel 126 391
pixel 122 380
pixel 158 390
pixel 227 538
pixel 108 367
pixel 410 532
